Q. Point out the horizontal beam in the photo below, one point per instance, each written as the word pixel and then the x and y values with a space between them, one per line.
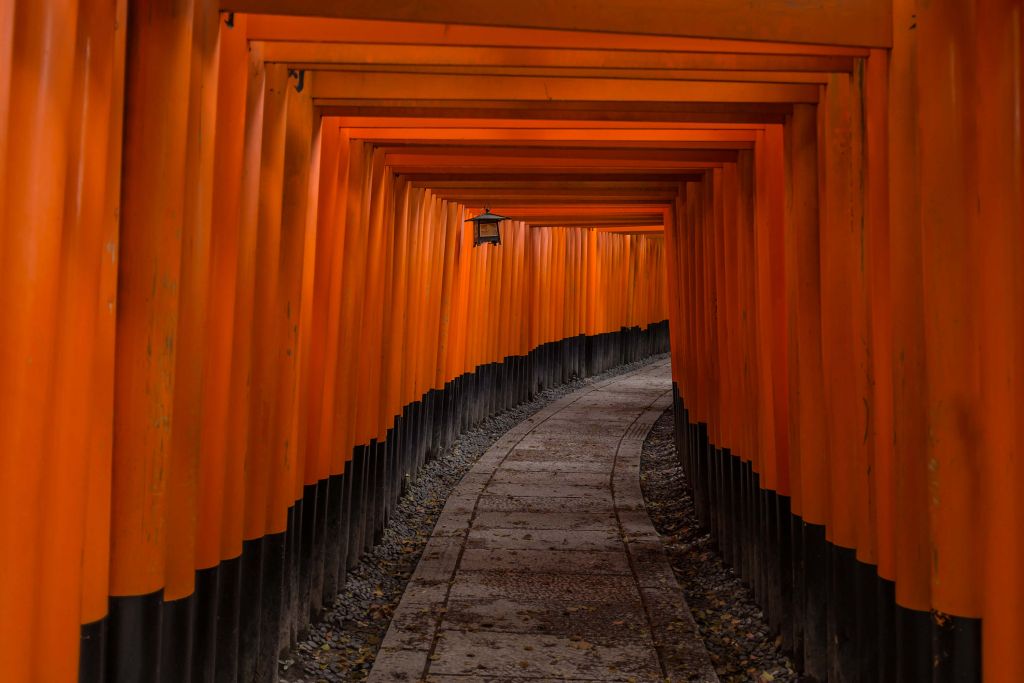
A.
pixel 518 123
pixel 526 193
pixel 637 221
pixel 724 76
pixel 408 163
pixel 606 196
pixel 422 176
pixel 826 22
pixel 500 154
pixel 314 54
pixel 536 202
pixel 558 222
pixel 566 196
pixel 379 85
pixel 605 188
pixel 482 160
pixel 649 231
pixel 656 139
pixel 581 210
pixel 701 113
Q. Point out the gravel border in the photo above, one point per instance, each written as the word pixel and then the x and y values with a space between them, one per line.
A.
pixel 733 627
pixel 343 645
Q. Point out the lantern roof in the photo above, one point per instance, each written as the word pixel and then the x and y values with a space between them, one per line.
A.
pixel 487 217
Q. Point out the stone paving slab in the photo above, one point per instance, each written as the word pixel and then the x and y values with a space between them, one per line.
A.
pixel 544 565
pixel 592 621
pixel 554 465
pixel 547 442
pixel 540 478
pixel 592 521
pixel 553 489
pixel 493 679
pixel 532 654
pixel 399 665
pixel 544 539
pixel 569 458
pixel 587 562
pixel 553 504
pixel 587 429
pixel 412 628
pixel 571 589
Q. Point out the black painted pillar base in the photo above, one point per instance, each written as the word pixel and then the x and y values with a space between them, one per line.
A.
pixel 837 618
pixel 248 609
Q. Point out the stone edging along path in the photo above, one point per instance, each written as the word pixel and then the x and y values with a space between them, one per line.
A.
pixel 544 563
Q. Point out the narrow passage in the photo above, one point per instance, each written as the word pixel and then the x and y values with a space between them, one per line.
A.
pixel 544 563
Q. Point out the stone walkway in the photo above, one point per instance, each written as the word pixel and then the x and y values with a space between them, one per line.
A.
pixel 544 565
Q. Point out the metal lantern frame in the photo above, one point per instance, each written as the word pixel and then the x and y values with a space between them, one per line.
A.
pixel 486 228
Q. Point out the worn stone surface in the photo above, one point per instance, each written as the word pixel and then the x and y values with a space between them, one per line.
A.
pixel 546 566
pixel 594 621
pixel 543 539
pixel 545 561
pixel 533 654
pixel 577 521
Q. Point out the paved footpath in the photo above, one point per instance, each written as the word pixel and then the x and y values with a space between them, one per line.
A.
pixel 544 565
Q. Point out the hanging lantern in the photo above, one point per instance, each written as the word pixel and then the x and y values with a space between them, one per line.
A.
pixel 485 228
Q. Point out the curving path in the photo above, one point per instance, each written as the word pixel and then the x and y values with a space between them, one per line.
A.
pixel 544 564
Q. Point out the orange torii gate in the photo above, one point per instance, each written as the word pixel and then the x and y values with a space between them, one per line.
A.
pixel 233 267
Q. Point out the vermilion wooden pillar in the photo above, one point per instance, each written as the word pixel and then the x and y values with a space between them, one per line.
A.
pixel 67 588
pixel 260 598
pixel 35 143
pixel 948 123
pixel 218 496
pixel 297 257
pixel 177 624
pixel 880 308
pixel 1000 248
pixel 96 527
pixel 912 589
pixel 152 206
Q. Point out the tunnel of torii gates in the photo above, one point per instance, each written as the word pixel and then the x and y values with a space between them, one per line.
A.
pixel 239 303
